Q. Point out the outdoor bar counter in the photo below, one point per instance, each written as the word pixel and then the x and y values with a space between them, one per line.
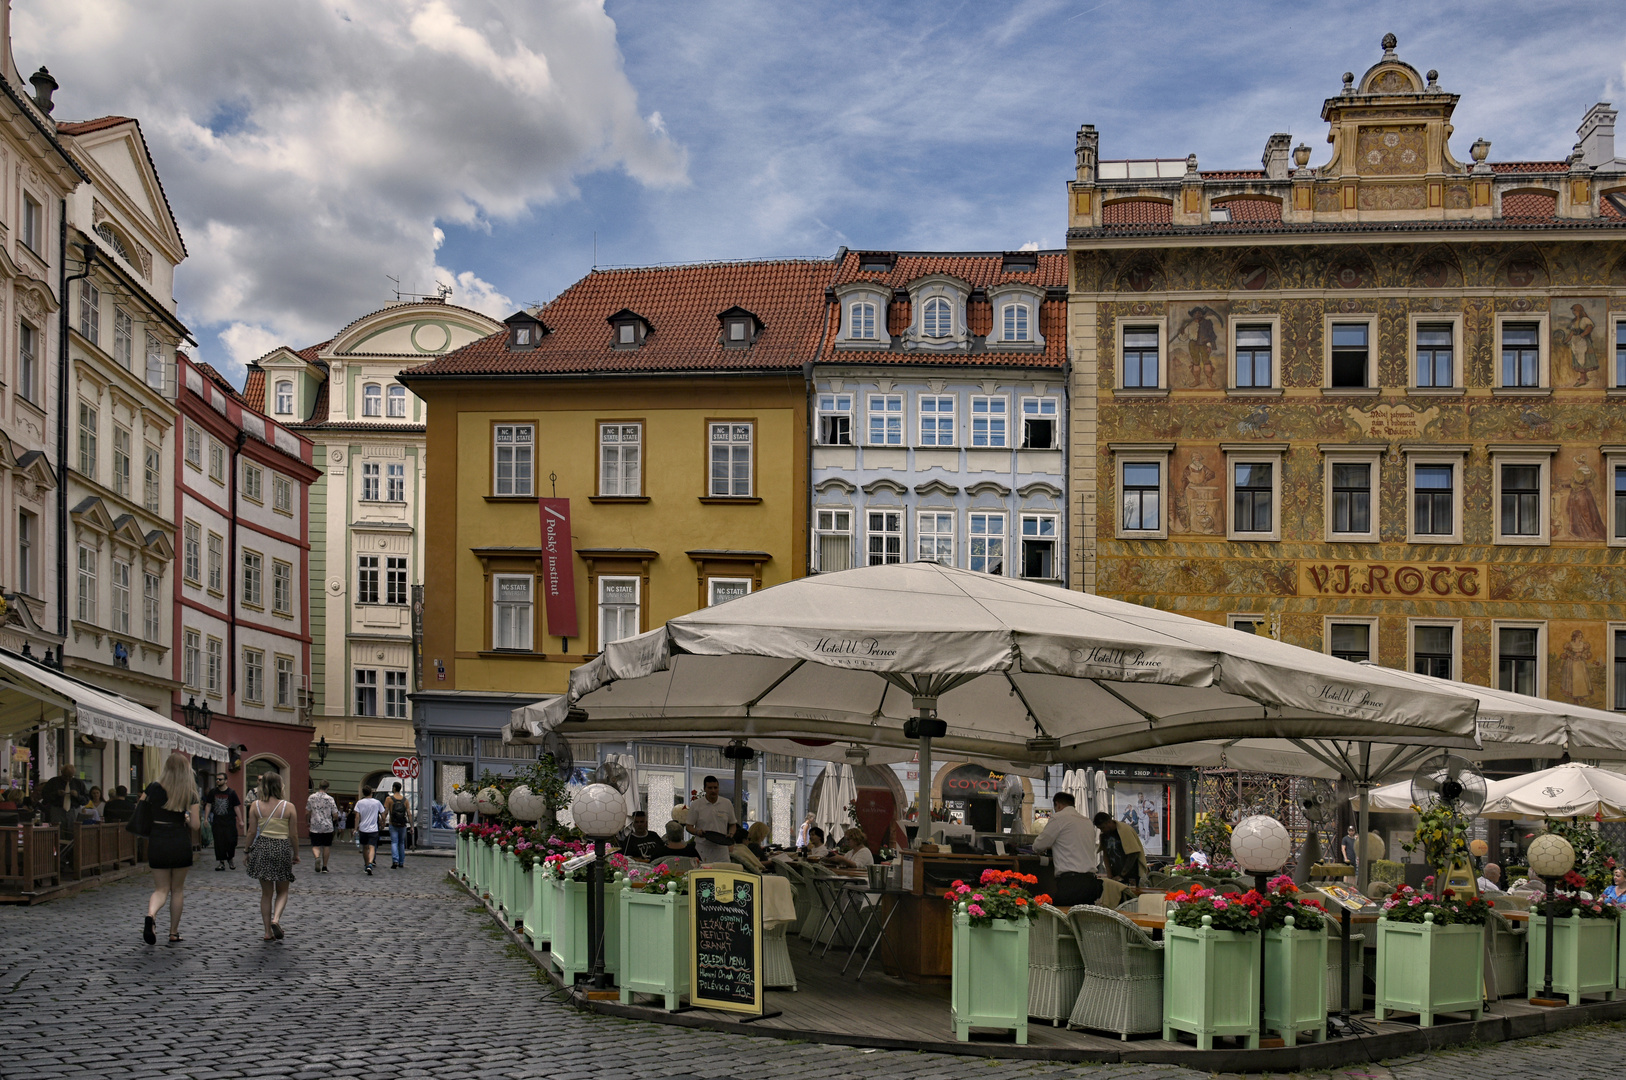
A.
pixel 920 935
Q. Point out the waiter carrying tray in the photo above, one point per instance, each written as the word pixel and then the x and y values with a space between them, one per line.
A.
pixel 1070 839
pixel 712 821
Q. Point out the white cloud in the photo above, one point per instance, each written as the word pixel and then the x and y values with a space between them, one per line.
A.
pixel 308 151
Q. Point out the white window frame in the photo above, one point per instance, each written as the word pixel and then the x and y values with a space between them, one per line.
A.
pixel 1452 319
pixel 989 416
pixel 395 693
pixel 1232 326
pixel 282 494
pixel 191 659
pixel 508 612
pixel 194 447
pixel 121 460
pixel 728 448
pixel 214 547
pixel 937 414
pixel 397 582
pixel 395 402
pixel 1544 463
pixel 369 579
pixel 930 309
pixel 618 451
pixel 192 552
pixel 152 477
pixel 253 571
pixel 1458 462
pixel 284 397
pixel 372 473
pixel 878 406
pixel 1370 321
pixel 123 338
pixel 33 224
pixel 827 521
pixel 829 405
pixel 28 539
pixel 1126 323
pixel 87 587
pixel 155 362
pixel 372 400
pixel 254 676
pixel 1158 456
pixel 988 537
pixel 637 606
pixel 364 696
pixel 152 607
pixel 1615 356
pixel 1540 627
pixel 90 311
pixel 214 660
pixel 1017 310
pixel 28 365
pixel 1456 643
pixel 1021 565
pixel 285 682
pixel 119 587
pixel 1544 381
pixel 713 582
pixel 517 452
pixel 1614 458
pixel 89 427
pixel 217 463
pixel 935 534
pixel 394 482
pixel 862 318
pixel 871 533
pixel 1055 425
pixel 282 587
pixel 253 482
pixel 1374 460
pixel 1610 683
pixel 1370 621
pixel 1235 456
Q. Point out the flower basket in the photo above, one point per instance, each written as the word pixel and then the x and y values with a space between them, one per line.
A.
pixel 569 948
pixel 1585 957
pixel 990 975
pixel 655 929
pixel 1210 982
pixel 1296 982
pixel 1427 968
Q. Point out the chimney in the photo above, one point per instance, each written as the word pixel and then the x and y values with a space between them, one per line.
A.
pixel 1088 148
pixel 1275 159
pixel 44 87
pixel 1597 136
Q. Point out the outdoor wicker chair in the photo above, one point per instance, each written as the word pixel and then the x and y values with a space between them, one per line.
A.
pixel 1335 964
pixel 1123 974
pixel 1505 964
pixel 1055 967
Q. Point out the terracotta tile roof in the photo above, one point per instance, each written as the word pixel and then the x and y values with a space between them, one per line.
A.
pixel 977 269
pixel 254 386
pixel 1529 166
pixel 1137 212
pixel 319 409
pixel 1245 208
pixel 209 372
pixel 681 304
pixel 85 127
pixel 1613 204
pixel 1530 204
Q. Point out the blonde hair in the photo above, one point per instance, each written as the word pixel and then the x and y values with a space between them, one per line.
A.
pixel 760 831
pixel 178 783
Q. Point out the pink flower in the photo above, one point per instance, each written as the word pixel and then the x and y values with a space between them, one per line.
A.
pixel 976 910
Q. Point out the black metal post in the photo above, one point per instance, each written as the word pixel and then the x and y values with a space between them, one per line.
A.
pixel 1261 883
pixel 1547 989
pixel 595 917
pixel 1343 970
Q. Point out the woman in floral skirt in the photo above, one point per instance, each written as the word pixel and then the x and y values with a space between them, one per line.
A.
pixel 272 851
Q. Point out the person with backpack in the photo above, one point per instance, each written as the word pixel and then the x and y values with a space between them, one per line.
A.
pixel 368 812
pixel 399 810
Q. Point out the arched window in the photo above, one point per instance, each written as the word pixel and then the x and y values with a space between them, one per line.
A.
pixel 398 401
pixel 106 232
pixel 939 321
pixel 285 398
pixel 372 400
pixel 1016 323
pixel 861 321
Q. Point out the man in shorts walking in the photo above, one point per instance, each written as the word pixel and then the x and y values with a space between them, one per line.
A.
pixel 368 812
pixel 320 810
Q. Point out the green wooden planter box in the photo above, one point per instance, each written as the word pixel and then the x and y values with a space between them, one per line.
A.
pixel 513 879
pixel 499 878
pixel 482 852
pixel 990 976
pixel 569 948
pixel 521 895
pixel 539 925
pixel 655 952
pixel 1210 983
pixel 460 850
pixel 1296 983
pixel 1620 958
pixel 1585 957
pixel 1427 969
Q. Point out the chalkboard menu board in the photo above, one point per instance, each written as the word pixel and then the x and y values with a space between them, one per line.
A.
pixel 725 909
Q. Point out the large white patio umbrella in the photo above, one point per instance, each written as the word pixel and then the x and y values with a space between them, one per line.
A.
pixel 1563 791
pixel 831 813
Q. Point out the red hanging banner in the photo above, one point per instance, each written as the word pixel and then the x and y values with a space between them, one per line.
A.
pixel 558 568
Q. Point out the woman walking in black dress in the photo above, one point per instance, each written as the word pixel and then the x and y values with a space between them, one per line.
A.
pixel 174 799
pixel 272 851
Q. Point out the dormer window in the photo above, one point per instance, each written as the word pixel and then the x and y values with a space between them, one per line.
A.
pixel 626 334
pixel 1019 262
pixel 285 398
pixel 525 331
pixel 938 319
pixel 1015 322
pixel 861 320
pixel 876 262
pixel 740 328
pixel 628 329
pixel 1015 307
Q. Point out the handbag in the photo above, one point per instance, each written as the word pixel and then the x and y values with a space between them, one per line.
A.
pixel 140 822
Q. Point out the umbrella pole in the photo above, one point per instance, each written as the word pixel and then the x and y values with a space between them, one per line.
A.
pixel 739 790
pixel 923 815
pixel 1363 864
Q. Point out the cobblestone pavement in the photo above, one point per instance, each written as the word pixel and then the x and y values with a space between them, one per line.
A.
pixel 400 975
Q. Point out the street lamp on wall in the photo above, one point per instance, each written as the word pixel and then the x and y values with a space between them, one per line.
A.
pixel 197 716
pixel 318 753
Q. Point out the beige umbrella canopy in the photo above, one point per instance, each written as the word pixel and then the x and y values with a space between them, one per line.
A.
pixel 1564 791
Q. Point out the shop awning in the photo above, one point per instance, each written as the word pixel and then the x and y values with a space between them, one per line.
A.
pixel 32 695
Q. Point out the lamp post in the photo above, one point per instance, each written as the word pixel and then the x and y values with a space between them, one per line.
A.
pixel 1551 857
pixel 197 716
pixel 600 812
pixel 1262 846
pixel 318 752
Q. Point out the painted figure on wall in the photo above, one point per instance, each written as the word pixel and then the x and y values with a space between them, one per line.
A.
pixel 1198 499
pixel 1574 662
pixel 1575 503
pixel 1196 348
pixel 1573 340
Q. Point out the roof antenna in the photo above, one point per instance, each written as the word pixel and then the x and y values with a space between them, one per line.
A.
pixel 445 291
pixel 595 249
pixel 397 282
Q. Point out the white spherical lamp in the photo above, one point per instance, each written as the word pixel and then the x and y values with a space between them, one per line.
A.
pixel 462 802
pixel 489 801
pixel 1374 847
pixel 1261 844
pixel 599 811
pixel 1551 856
pixel 524 804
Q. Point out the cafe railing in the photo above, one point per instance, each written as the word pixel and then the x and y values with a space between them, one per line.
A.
pixel 28 858
pixel 99 848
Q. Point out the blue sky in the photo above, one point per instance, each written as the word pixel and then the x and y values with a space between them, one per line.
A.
pixel 311 149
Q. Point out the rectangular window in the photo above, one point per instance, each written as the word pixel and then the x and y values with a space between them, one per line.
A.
pixel 395 483
pixel 833 545
pixel 285 398
pixel 1619 638
pixel 217 462
pixel 155 363
pixel 861 321
pixel 192 552
pixel 513 459
pixel 120 622
pixel 1039 423
pixel 1521 354
pixel 123 338
pixel 90 312
pixel 1349 355
pixel 1516 658
pixel 369 481
pixel 936 420
pixel 1620 353
pixel 1618 500
pixel 511 618
pixel 217 562
pixel 27 537
pixel 282 587
pixel 1142 496
pixel 285 682
pixel 121 461
pixel 1350 641
pixel 88 420
pixel 372 400
pixel 194 447
pixel 253 483
pixel 1015 318
pixel 1432 499
pixel 253 571
pixel 620 458
pixel 1039 547
pixel 1248 624
pixel 730 460
pixel 151 609
pixel 395 694
pixel 282 494
pixel 1352 498
pixel 152 478
pixel 1253 362
pixel 885 537
pixel 33 225
pixel 935 533
pixel 720 590
pixel 886 419
pixel 987 537
pixel 28 362
pixel 1431 650
pixel 367 579
pixel 395 402
pixel 395 579
pixel 617 609
pixel 214 658
pixel 988 422
pixel 366 691
pixel 835 419
pixel 1436 359
pixel 1253 491
pixel 1140 357
pixel 1520 507
pixel 191 658
pixel 254 676
pixel 86 611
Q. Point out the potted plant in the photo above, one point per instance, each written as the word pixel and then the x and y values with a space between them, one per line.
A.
pixel 654 913
pixel 1431 954
pixel 569 949
pixel 1295 961
pixel 990 963
pixel 1211 965
pixel 1585 950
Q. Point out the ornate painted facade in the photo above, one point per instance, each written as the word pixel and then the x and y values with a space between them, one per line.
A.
pixel 1372 406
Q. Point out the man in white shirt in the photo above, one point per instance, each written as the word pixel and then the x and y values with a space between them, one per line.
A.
pixel 712 821
pixel 1071 841
pixel 1490 878
pixel 367 814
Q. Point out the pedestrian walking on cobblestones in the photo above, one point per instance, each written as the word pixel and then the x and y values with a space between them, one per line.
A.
pixel 399 810
pixel 368 812
pixel 273 852
pixel 175 821
pixel 320 812
pixel 225 821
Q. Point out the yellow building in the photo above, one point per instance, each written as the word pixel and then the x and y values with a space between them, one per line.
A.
pixel 665 410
